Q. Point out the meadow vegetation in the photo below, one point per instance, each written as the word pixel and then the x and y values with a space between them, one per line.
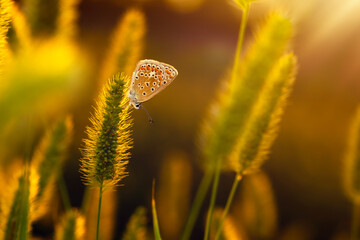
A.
pixel 43 72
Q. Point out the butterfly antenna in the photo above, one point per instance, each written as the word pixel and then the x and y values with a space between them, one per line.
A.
pixel 148 115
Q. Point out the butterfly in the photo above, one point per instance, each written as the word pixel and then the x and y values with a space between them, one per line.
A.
pixel 149 78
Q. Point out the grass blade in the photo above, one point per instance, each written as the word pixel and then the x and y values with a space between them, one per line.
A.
pixel 155 218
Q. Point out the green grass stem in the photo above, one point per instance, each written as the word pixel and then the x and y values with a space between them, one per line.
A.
pixel 85 201
pixel 29 141
pixel 99 211
pixel 196 206
pixel 155 218
pixel 237 179
pixel 64 192
pixel 25 206
pixel 212 199
pixel 244 19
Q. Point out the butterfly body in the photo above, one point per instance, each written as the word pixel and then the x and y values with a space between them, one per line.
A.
pixel 149 78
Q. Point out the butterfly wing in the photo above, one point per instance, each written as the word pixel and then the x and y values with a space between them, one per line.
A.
pixel 151 77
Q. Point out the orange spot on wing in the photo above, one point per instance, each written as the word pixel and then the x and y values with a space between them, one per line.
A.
pixel 160 78
pixel 148 68
pixel 167 71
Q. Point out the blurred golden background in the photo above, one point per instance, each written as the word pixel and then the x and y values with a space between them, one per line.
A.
pixel 199 38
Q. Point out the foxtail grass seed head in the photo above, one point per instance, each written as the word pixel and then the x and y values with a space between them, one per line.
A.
pixel 6 7
pixel 48 77
pixel 256 209
pixel 231 229
pixel 262 125
pixel 126 45
pixel 72 226
pixel 66 22
pixel 136 228
pixel 51 154
pixel 42 16
pixel 105 151
pixel 19 204
pixel 48 161
pixel 228 115
pixel 352 160
pixel 21 29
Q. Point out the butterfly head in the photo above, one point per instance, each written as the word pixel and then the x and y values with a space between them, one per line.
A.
pixel 133 99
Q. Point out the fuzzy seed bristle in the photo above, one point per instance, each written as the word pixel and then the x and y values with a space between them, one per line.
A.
pixel 263 122
pixel 105 152
pixel 228 115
